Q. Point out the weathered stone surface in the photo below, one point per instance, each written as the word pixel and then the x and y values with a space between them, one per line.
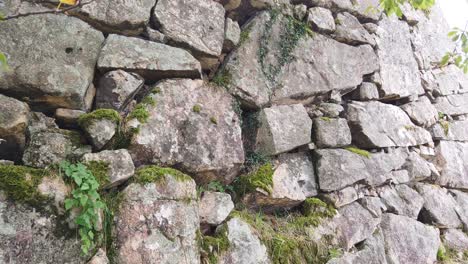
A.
pixel 451 160
pixel 244 245
pixel 462 201
pixel 450 80
pixel 157 221
pixel 373 204
pixel 215 207
pixel 439 207
pixel 100 131
pixel 365 9
pixel 283 128
pixel 421 112
pixel 194 24
pixel 455 239
pixel 116 88
pixel 453 105
pixel 321 18
pixel 28 236
pixel 255 78
pixel 293 182
pixel 156 35
pixel 398 68
pixel 402 200
pixel 151 60
pixel 429 39
pixel 455 130
pixel 342 197
pixel 99 258
pixel 366 91
pixel 206 143
pixel 374 124
pixel 52 146
pixel 409 241
pixel 121 16
pixel 331 110
pixel 349 30
pixel 418 168
pixel 13 123
pixel 331 132
pixel 232 33
pixel 68 117
pixel 63 66
pixel 374 170
pixel 119 162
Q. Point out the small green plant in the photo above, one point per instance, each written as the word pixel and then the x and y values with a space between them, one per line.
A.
pixel 212 246
pixel 327 119
pixel 222 78
pixel 394 6
pixel 441 116
pixel 140 112
pixel 213 120
pixel 359 151
pixel 85 198
pixel 196 108
pixel 3 62
pixel 245 34
pixel 445 126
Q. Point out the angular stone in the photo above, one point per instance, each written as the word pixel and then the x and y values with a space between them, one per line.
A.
pixel 455 130
pixel 373 204
pixel 151 60
pixel 119 162
pixel 116 89
pixel 215 207
pixel 349 30
pixel 293 182
pixel 206 143
pixel 402 200
pixel 418 168
pixel 13 123
pixel 321 18
pixel 374 124
pixel 409 241
pixel 398 68
pixel 100 132
pixel 353 167
pixel 157 221
pixel 342 197
pixel 462 209
pixel 450 80
pixel 117 16
pixel 453 105
pixel 283 128
pixel 156 35
pixel 331 132
pixel 254 78
pixel 194 24
pixel 365 9
pixel 45 39
pixel 366 91
pixel 244 245
pixel 455 239
pixel 451 160
pixel 68 117
pixel 232 33
pixel 331 110
pixel 440 209
pixel 99 258
pixel 421 112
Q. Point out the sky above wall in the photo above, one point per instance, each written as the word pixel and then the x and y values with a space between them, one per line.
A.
pixel 456 12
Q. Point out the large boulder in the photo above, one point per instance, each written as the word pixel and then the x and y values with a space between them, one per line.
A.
pixel 259 69
pixel 192 124
pixel 283 128
pixel 398 68
pixel 158 219
pixel 52 59
pixel 151 60
pixel 121 16
pixel 13 123
pixel 451 160
pixel 194 24
pixel 409 241
pixel 378 125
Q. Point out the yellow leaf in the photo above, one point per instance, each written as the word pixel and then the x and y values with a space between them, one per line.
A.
pixel 68 2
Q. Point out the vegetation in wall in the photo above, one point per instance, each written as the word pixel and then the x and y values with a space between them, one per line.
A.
pixel 152 174
pixel 213 246
pixel 222 78
pixel 109 114
pixel 140 112
pixel 260 178
pixel 359 151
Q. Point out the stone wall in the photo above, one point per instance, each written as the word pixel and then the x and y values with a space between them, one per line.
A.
pixel 234 131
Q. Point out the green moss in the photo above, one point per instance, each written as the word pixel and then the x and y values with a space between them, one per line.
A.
pixel 140 112
pixel 327 119
pixel 100 171
pixel 213 120
pixel 213 246
pixel 245 34
pixel 151 174
pixel 148 100
pixel 445 126
pixel 109 114
pixel 196 108
pixel 446 255
pixel 360 152
pixel 20 183
pixel 222 78
pixel 156 90
pixel 410 128
pixel 261 178
pixel 318 208
pixel 441 116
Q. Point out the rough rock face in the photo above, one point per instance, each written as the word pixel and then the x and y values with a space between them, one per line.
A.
pixel 409 241
pixel 206 143
pixel 55 55
pixel 455 239
pixel 455 130
pixel 215 207
pixel 462 210
pixel 116 88
pixel 402 200
pixel 257 76
pixel 398 68
pixel 451 160
pixel 245 247
pixel 449 80
pixel 349 30
pixel 421 112
pixel 453 105
pixel 194 24
pixel 283 128
pixel 375 124
pixel 13 123
pixel 157 221
pixel 232 33
pixel 100 131
pixel 331 132
pixel 321 18
pixel 153 61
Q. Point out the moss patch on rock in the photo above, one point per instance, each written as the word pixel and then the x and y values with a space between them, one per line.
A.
pixel 100 171
pixel 156 174
pixel 359 151
pixel 109 114
pixel 261 178
pixel 140 112
pixel 213 246
pixel 222 78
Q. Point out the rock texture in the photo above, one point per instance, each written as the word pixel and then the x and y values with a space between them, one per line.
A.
pixel 116 88
pixel 215 207
pixel 13 122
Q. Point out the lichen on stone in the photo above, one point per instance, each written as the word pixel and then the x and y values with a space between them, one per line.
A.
pixel 156 174
pixel 359 151
pixel 109 114
pixel 196 108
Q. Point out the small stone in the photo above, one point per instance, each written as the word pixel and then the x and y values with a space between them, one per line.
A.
pixel 451 160
pixel 402 200
pixel 100 132
pixel 99 258
pixel 331 110
pixel 421 112
pixel 321 18
pixel 116 88
pixel 215 207
pixel 418 168
pixel 156 35
pixel 300 11
pixel 455 239
pixel 283 128
pixel 367 91
pixel 342 197
pixel 331 132
pixel 350 30
pixel 14 118
pixel 68 117
pixel 232 33
pixel 119 163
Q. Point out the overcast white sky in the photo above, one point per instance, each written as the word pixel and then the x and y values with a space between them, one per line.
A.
pixel 456 12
